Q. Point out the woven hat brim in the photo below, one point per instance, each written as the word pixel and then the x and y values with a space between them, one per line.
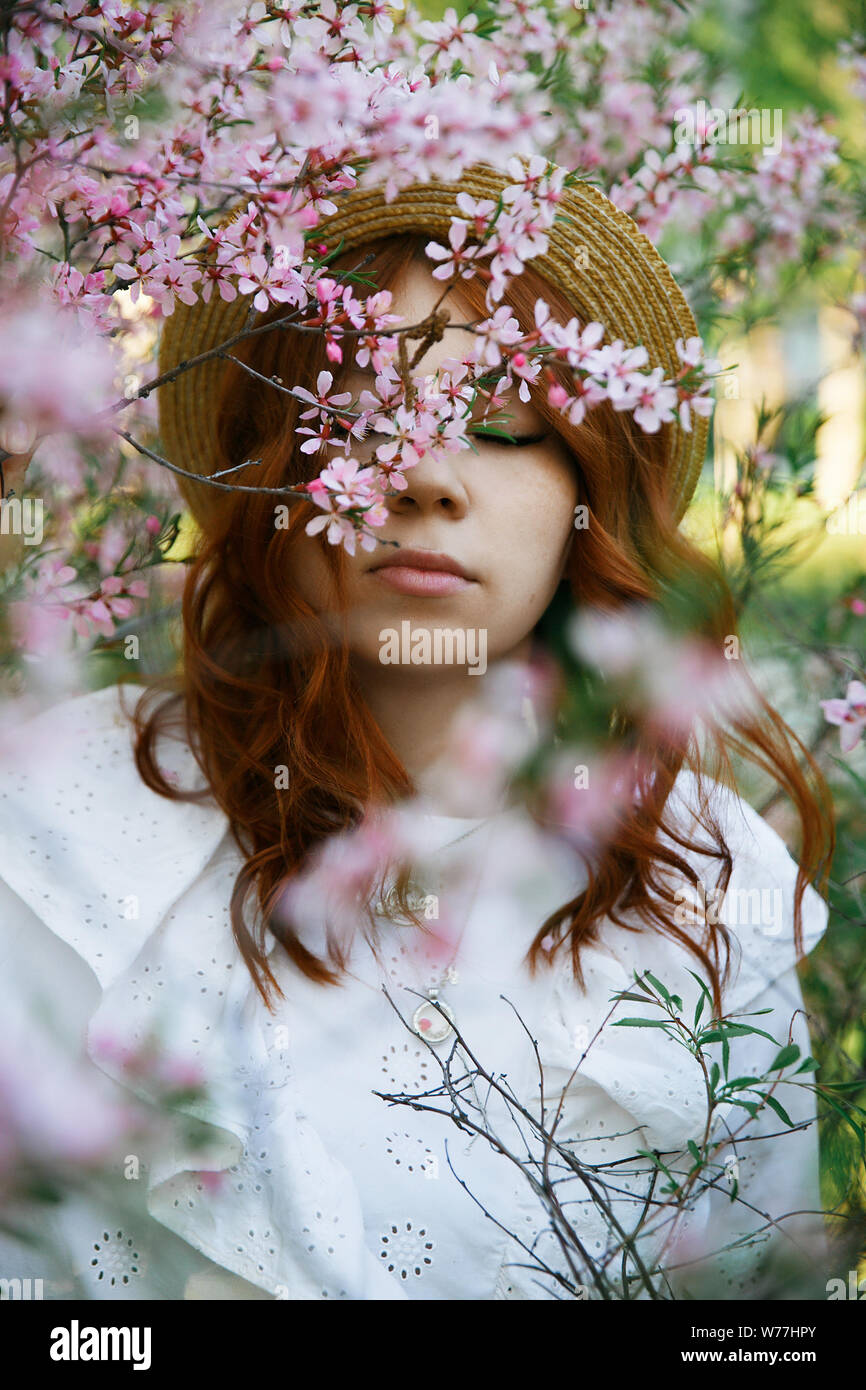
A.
pixel 605 266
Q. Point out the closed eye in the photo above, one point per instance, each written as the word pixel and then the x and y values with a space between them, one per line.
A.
pixel 517 441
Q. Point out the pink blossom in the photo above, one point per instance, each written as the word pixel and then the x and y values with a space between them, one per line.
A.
pixel 477 211
pixel 449 39
pixel 618 369
pixel 57 373
pixel 578 344
pixel 53 1111
pixel 654 402
pixel 585 797
pixel 459 260
pixel 849 713
pixel 257 276
pixel 325 405
pixel 413 433
pixel 341 872
pixel 669 681
pixel 492 334
pixel 342 487
pixel 587 394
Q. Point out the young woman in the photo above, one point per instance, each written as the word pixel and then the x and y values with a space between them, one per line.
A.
pixel 155 876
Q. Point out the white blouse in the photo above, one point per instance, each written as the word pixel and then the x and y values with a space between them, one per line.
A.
pixel 306 1183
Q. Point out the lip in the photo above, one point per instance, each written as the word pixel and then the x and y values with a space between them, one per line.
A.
pixel 429 572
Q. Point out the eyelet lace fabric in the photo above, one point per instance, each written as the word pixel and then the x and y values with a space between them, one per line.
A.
pixel 115 1259
pixel 312 1183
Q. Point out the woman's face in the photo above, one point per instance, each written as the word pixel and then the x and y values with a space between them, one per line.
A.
pixel 505 514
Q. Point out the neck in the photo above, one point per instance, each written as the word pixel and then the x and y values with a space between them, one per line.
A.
pixel 418 712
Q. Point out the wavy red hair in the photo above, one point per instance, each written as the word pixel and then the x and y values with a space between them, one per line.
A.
pixel 265 681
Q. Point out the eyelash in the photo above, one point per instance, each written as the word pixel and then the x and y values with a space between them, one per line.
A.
pixel 517 442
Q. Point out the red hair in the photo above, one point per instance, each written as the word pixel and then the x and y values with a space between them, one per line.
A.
pixel 265 682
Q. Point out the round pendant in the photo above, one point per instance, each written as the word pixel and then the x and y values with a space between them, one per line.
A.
pixel 416 897
pixel 428 1022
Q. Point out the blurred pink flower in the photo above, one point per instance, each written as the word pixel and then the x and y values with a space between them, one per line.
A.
pixel 849 714
pixel 341 872
pixel 669 680
pixel 57 373
pixel 54 1111
pixel 584 799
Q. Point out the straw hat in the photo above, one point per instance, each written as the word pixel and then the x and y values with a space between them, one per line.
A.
pixel 605 266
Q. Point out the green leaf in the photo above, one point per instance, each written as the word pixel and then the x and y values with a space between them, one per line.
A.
pixel 642 1023
pixel 705 990
pixel 780 1110
pixel 733 1030
pixel 788 1055
pixel 640 984
pixel 714 1076
pixel 699 1010
pixel 656 1160
pixel 809 1065
pixel 695 1151
pixel 858 1129
pixel 759 1033
pixel 750 1105
pixel 657 984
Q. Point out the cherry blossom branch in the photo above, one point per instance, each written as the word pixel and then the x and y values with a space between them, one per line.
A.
pixel 212 480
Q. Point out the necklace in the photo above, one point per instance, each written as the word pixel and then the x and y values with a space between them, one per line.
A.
pixel 434 1019
pixel 417 896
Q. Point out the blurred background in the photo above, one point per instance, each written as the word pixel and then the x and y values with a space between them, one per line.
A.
pixel 771 251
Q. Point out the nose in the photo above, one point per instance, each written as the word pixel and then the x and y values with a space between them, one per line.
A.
pixel 433 488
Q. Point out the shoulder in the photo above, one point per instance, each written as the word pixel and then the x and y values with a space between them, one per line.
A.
pixel 87 846
pixel 758 905
pixel 88 730
pixel 649 1074
pixel 756 909
pixel 761 861
pixel 73 765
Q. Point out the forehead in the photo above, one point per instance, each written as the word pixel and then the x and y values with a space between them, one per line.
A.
pixel 415 294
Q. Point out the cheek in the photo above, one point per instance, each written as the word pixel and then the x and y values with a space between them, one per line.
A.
pixel 309 567
pixel 537 522
pixel 309 573
pixel 530 525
